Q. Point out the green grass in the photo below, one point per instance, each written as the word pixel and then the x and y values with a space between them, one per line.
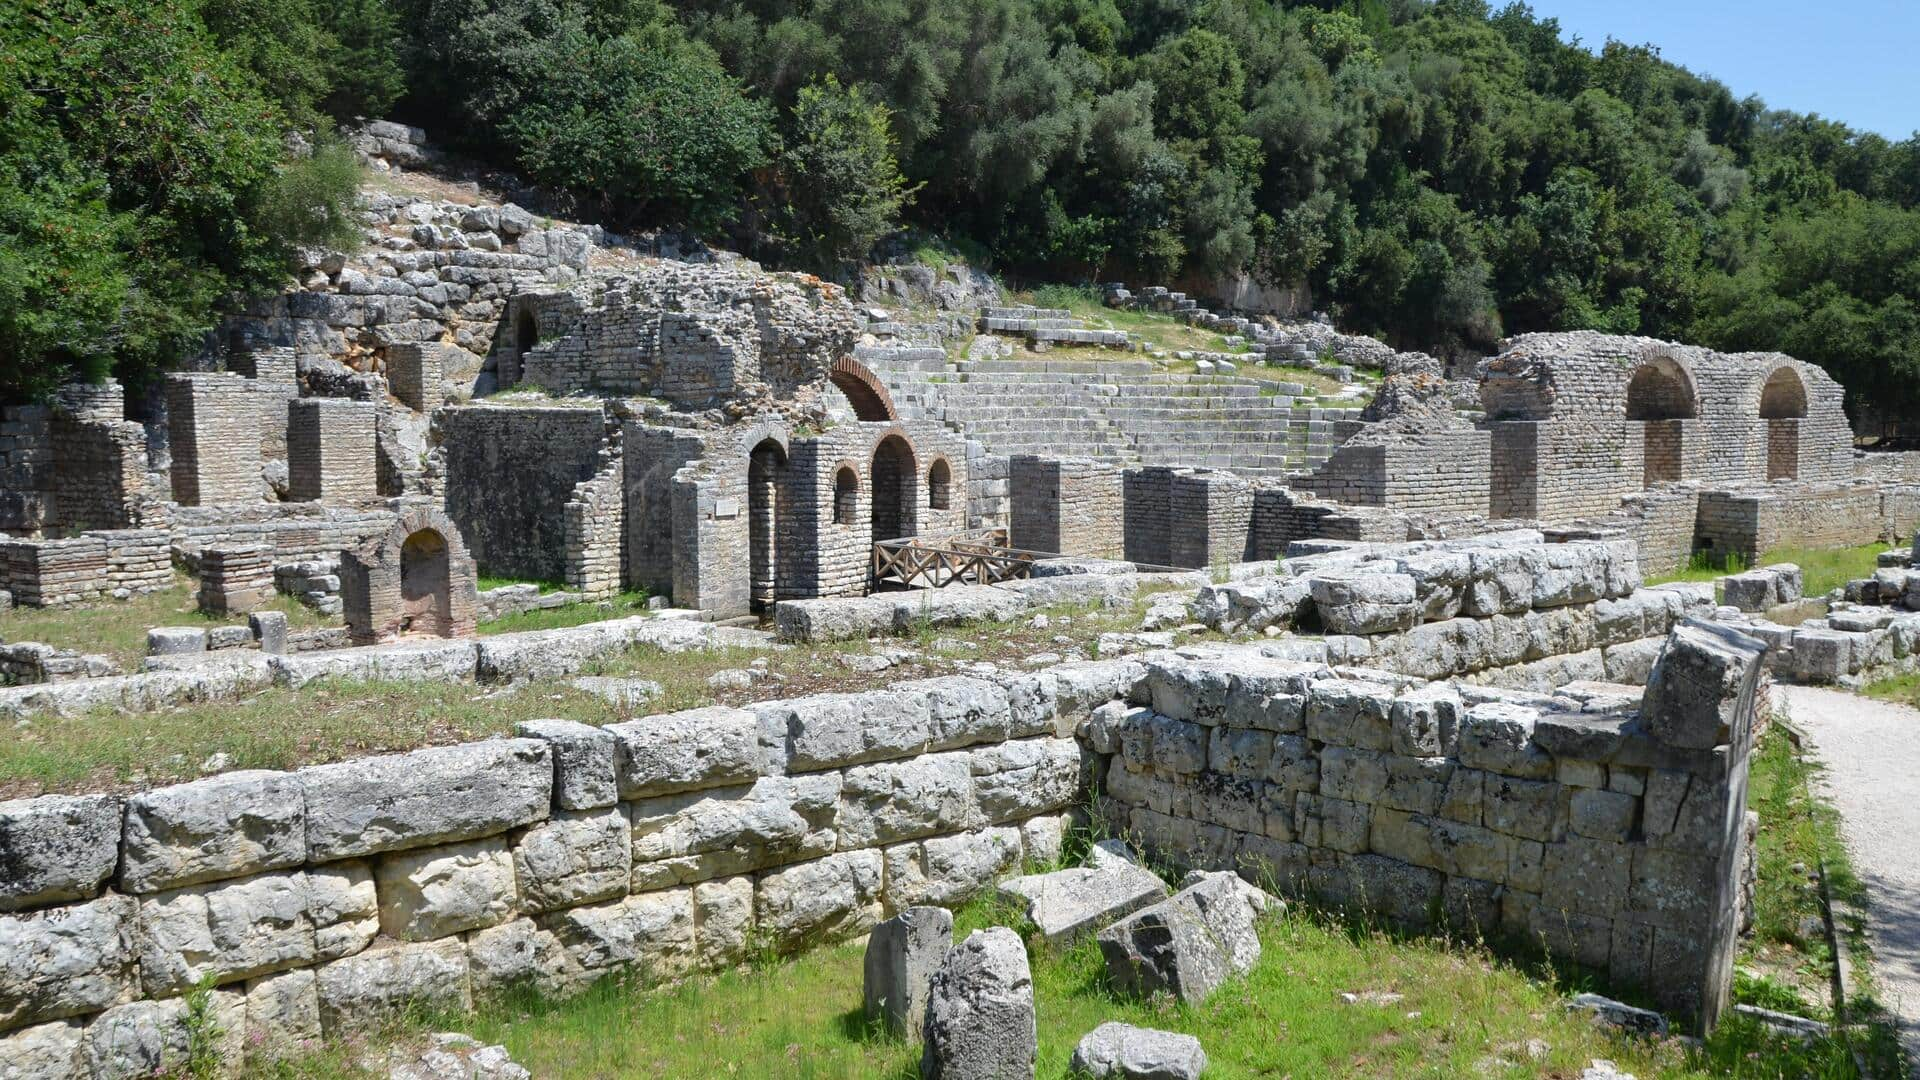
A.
pixel 118 628
pixel 1904 689
pixel 619 606
pixel 1822 569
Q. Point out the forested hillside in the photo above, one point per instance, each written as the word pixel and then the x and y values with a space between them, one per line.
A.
pixel 1441 172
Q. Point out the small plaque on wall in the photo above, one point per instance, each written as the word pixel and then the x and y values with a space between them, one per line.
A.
pixel 726 508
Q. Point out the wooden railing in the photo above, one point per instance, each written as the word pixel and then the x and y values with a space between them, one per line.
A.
pixel 975 558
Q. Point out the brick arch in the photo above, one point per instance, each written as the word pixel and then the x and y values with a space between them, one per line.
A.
pixel 1784 395
pixel 417 577
pixel 863 389
pixel 1661 388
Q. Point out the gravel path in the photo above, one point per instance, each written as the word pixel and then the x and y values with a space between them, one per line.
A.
pixel 1872 753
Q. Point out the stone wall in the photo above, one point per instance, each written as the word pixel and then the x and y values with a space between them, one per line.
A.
pixel 1754 521
pixel 213 427
pixel 657 847
pixel 510 472
pixel 330 451
pixel 295 531
pixel 416 372
pixel 1447 470
pixel 1611 839
pixel 1211 517
pixel 113 563
pixel 1065 507
pixel 596 533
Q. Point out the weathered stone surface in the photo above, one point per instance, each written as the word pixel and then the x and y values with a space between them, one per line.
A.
pixel 584 767
pixel 950 870
pixel 900 800
pixel 1064 904
pixel 1619 1014
pixel 406 661
pixel 1188 944
pixel 649 933
pixel 980 1022
pixel 452 1056
pixel 826 899
pixel 148 1037
pixel 434 892
pixel 1024 777
pixel 344 907
pixel 576 857
pixel 283 1012
pixel 696 835
pixel 1499 738
pixel 67 961
pixel 902 955
pixel 723 917
pixel 224 930
pixel 44 1052
pixel 225 826
pixel 176 640
pixel 56 848
pixel 519 954
pixel 364 989
pixel 1116 1051
pixel 1365 603
pixel 425 797
pixel 1702 685
pixel 831 730
pixel 685 751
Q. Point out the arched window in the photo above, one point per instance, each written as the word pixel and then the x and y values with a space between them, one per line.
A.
pixel 846 496
pixel 940 486
pixel 894 475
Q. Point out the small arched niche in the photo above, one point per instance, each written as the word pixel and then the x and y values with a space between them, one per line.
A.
pixel 846 495
pixel 1783 408
pixel 940 485
pixel 1660 399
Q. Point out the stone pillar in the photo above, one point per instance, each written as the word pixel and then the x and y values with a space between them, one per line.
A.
pixel 235 579
pixel 331 451
pixel 414 374
pixel 275 377
pixel 213 422
pixel 1065 507
pixel 1148 501
pixel 1212 519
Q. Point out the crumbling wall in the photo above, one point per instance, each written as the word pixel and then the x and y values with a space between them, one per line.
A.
pixel 116 563
pixel 1750 522
pixel 509 474
pixel 1445 470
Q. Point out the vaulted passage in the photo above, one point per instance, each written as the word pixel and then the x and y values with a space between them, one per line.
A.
pixel 425 592
pixel 894 477
pixel 766 498
pixel 1660 397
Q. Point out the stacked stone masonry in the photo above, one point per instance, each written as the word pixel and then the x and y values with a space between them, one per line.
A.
pixel 213 423
pixel 331 453
pixel 235 579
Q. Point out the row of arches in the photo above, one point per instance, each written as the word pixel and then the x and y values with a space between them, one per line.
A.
pixel 1661 396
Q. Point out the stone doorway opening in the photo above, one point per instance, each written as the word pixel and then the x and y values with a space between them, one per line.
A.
pixel 1783 407
pixel 1660 397
pixel 894 480
pixel 426 587
pixel 766 505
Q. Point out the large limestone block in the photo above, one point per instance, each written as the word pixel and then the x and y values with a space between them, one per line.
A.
pixel 409 661
pixel 1080 687
pixel 963 710
pixel 697 835
pixel 283 1013
pixel 1498 737
pixel 146 1038
pixel 344 907
pixel 224 931
pixel 826 899
pixel 378 984
pixel 1702 687
pixel 1188 944
pixel 723 921
pixel 1503 580
pixel 426 797
pixel 1025 777
pixel 44 1052
pixel 980 1022
pixel 685 751
pixel 827 731
pixel 584 764
pixel 649 933
pixel 902 954
pixel 551 654
pixel 56 848
pixel 1065 904
pixel 67 961
pixel 901 800
pixel 1571 574
pixel 519 955
pixel 1365 603
pixel 949 870
pixel 576 857
pixel 1116 1051
pixel 225 826
pixel 434 892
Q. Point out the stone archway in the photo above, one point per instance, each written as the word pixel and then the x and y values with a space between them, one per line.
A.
pixel 894 480
pixel 766 500
pixel 416 578
pixel 863 390
pixel 939 485
pixel 1783 408
pixel 1660 397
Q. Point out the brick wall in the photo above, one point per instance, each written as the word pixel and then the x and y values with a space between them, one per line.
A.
pixel 1073 506
pixel 510 473
pixel 213 423
pixel 331 454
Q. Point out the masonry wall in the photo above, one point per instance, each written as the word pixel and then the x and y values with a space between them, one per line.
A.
pixel 1211 514
pixel 657 847
pixel 1612 840
pixel 213 424
pixel 1449 471
pixel 596 533
pixel 1072 506
pixel 510 473
pixel 108 563
pixel 331 451
pixel 1147 502
pixel 652 459
pixel 1753 521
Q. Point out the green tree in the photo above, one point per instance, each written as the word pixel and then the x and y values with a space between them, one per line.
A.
pixel 841 185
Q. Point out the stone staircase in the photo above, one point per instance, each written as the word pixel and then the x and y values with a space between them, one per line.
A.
pixel 1049 326
pixel 1120 410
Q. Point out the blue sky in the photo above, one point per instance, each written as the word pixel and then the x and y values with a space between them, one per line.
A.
pixel 1856 61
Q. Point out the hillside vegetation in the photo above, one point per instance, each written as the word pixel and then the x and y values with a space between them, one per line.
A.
pixel 1439 171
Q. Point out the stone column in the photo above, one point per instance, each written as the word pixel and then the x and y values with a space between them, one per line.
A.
pixel 331 451
pixel 213 423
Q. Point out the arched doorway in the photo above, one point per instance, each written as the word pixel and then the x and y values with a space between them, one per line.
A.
pixel 766 498
pixel 1659 398
pixel 894 480
pixel 1783 406
pixel 940 485
pixel 426 600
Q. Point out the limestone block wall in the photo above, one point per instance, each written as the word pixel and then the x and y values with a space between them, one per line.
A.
pixel 1071 506
pixel 510 472
pixel 213 423
pixel 26 454
pixel 1147 501
pixel 1211 515
pixel 988 505
pixel 98 458
pixel 657 847
pixel 1613 840
pixel 1753 521
pixel 273 374
pixel 1900 467
pixel 652 460
pixel 1448 470
pixel 1661 522
pixel 331 451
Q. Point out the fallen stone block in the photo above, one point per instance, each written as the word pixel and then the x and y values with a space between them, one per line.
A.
pixel 902 954
pixel 1188 944
pixel 1124 1052
pixel 980 1021
pixel 1065 904
pixel 1620 1015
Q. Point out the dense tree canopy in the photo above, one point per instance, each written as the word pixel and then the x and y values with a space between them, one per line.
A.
pixel 1439 172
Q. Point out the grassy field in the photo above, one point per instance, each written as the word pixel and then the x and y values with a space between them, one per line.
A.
pixel 118 628
pixel 1821 569
pixel 331 720
pixel 1427 1007
pixel 619 606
